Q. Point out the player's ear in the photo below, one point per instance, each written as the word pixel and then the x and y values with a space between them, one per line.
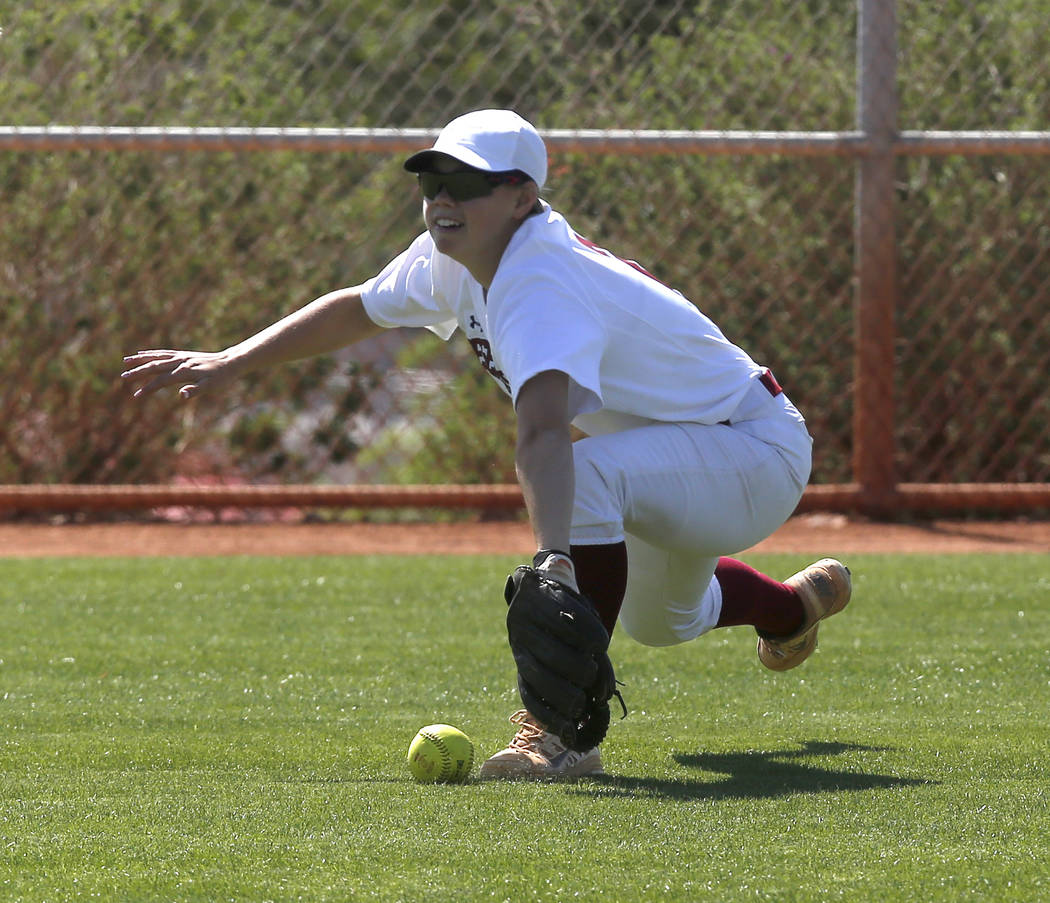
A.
pixel 528 200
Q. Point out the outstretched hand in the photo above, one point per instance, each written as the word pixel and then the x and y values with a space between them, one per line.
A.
pixel 193 371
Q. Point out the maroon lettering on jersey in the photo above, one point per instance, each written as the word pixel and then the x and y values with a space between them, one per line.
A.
pixel 484 352
pixel 634 264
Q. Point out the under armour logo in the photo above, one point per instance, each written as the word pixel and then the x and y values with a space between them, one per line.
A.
pixel 475 323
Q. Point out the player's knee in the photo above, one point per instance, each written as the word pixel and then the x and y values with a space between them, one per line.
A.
pixel 649 630
pixel 666 624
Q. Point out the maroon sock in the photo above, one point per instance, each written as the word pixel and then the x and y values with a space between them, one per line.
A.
pixel 750 597
pixel 601 573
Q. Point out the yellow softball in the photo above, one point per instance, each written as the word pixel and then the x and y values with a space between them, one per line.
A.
pixel 440 753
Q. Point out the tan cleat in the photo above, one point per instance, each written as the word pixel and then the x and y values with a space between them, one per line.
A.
pixel 537 753
pixel 825 589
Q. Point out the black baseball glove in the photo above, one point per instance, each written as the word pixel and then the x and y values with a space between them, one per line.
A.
pixel 560 646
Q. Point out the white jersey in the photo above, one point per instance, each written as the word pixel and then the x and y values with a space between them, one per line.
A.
pixel 635 350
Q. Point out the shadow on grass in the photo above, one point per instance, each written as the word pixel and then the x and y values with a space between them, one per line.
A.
pixel 754 775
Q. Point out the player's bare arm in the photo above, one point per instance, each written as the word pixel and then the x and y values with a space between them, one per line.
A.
pixel 543 457
pixel 330 322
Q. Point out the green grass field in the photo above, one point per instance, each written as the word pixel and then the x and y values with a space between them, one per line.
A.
pixel 236 729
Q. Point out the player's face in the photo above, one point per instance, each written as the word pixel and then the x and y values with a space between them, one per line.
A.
pixel 473 230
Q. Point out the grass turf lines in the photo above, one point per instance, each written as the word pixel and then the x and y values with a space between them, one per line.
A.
pixel 236 729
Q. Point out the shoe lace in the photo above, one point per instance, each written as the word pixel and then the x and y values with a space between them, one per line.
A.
pixel 530 735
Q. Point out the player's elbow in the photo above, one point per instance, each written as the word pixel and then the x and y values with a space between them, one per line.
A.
pixel 539 442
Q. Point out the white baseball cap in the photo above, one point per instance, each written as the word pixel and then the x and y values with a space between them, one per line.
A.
pixel 490 140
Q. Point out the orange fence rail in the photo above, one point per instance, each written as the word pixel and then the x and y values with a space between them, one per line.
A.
pixel 1002 498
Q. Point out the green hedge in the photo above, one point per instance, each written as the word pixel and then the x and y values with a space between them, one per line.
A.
pixel 102 253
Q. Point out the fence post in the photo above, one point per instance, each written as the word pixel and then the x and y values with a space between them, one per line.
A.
pixel 876 256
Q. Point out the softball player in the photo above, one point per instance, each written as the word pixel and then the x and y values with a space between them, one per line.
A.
pixel 692 450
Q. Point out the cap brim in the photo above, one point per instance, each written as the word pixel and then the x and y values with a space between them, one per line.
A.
pixel 420 162
pixel 424 161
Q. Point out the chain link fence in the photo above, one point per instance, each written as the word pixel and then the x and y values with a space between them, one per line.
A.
pixel 104 252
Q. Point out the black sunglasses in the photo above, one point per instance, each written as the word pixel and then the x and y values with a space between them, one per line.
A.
pixel 467 185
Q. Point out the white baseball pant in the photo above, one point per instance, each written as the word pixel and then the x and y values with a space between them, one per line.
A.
pixel 682 495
